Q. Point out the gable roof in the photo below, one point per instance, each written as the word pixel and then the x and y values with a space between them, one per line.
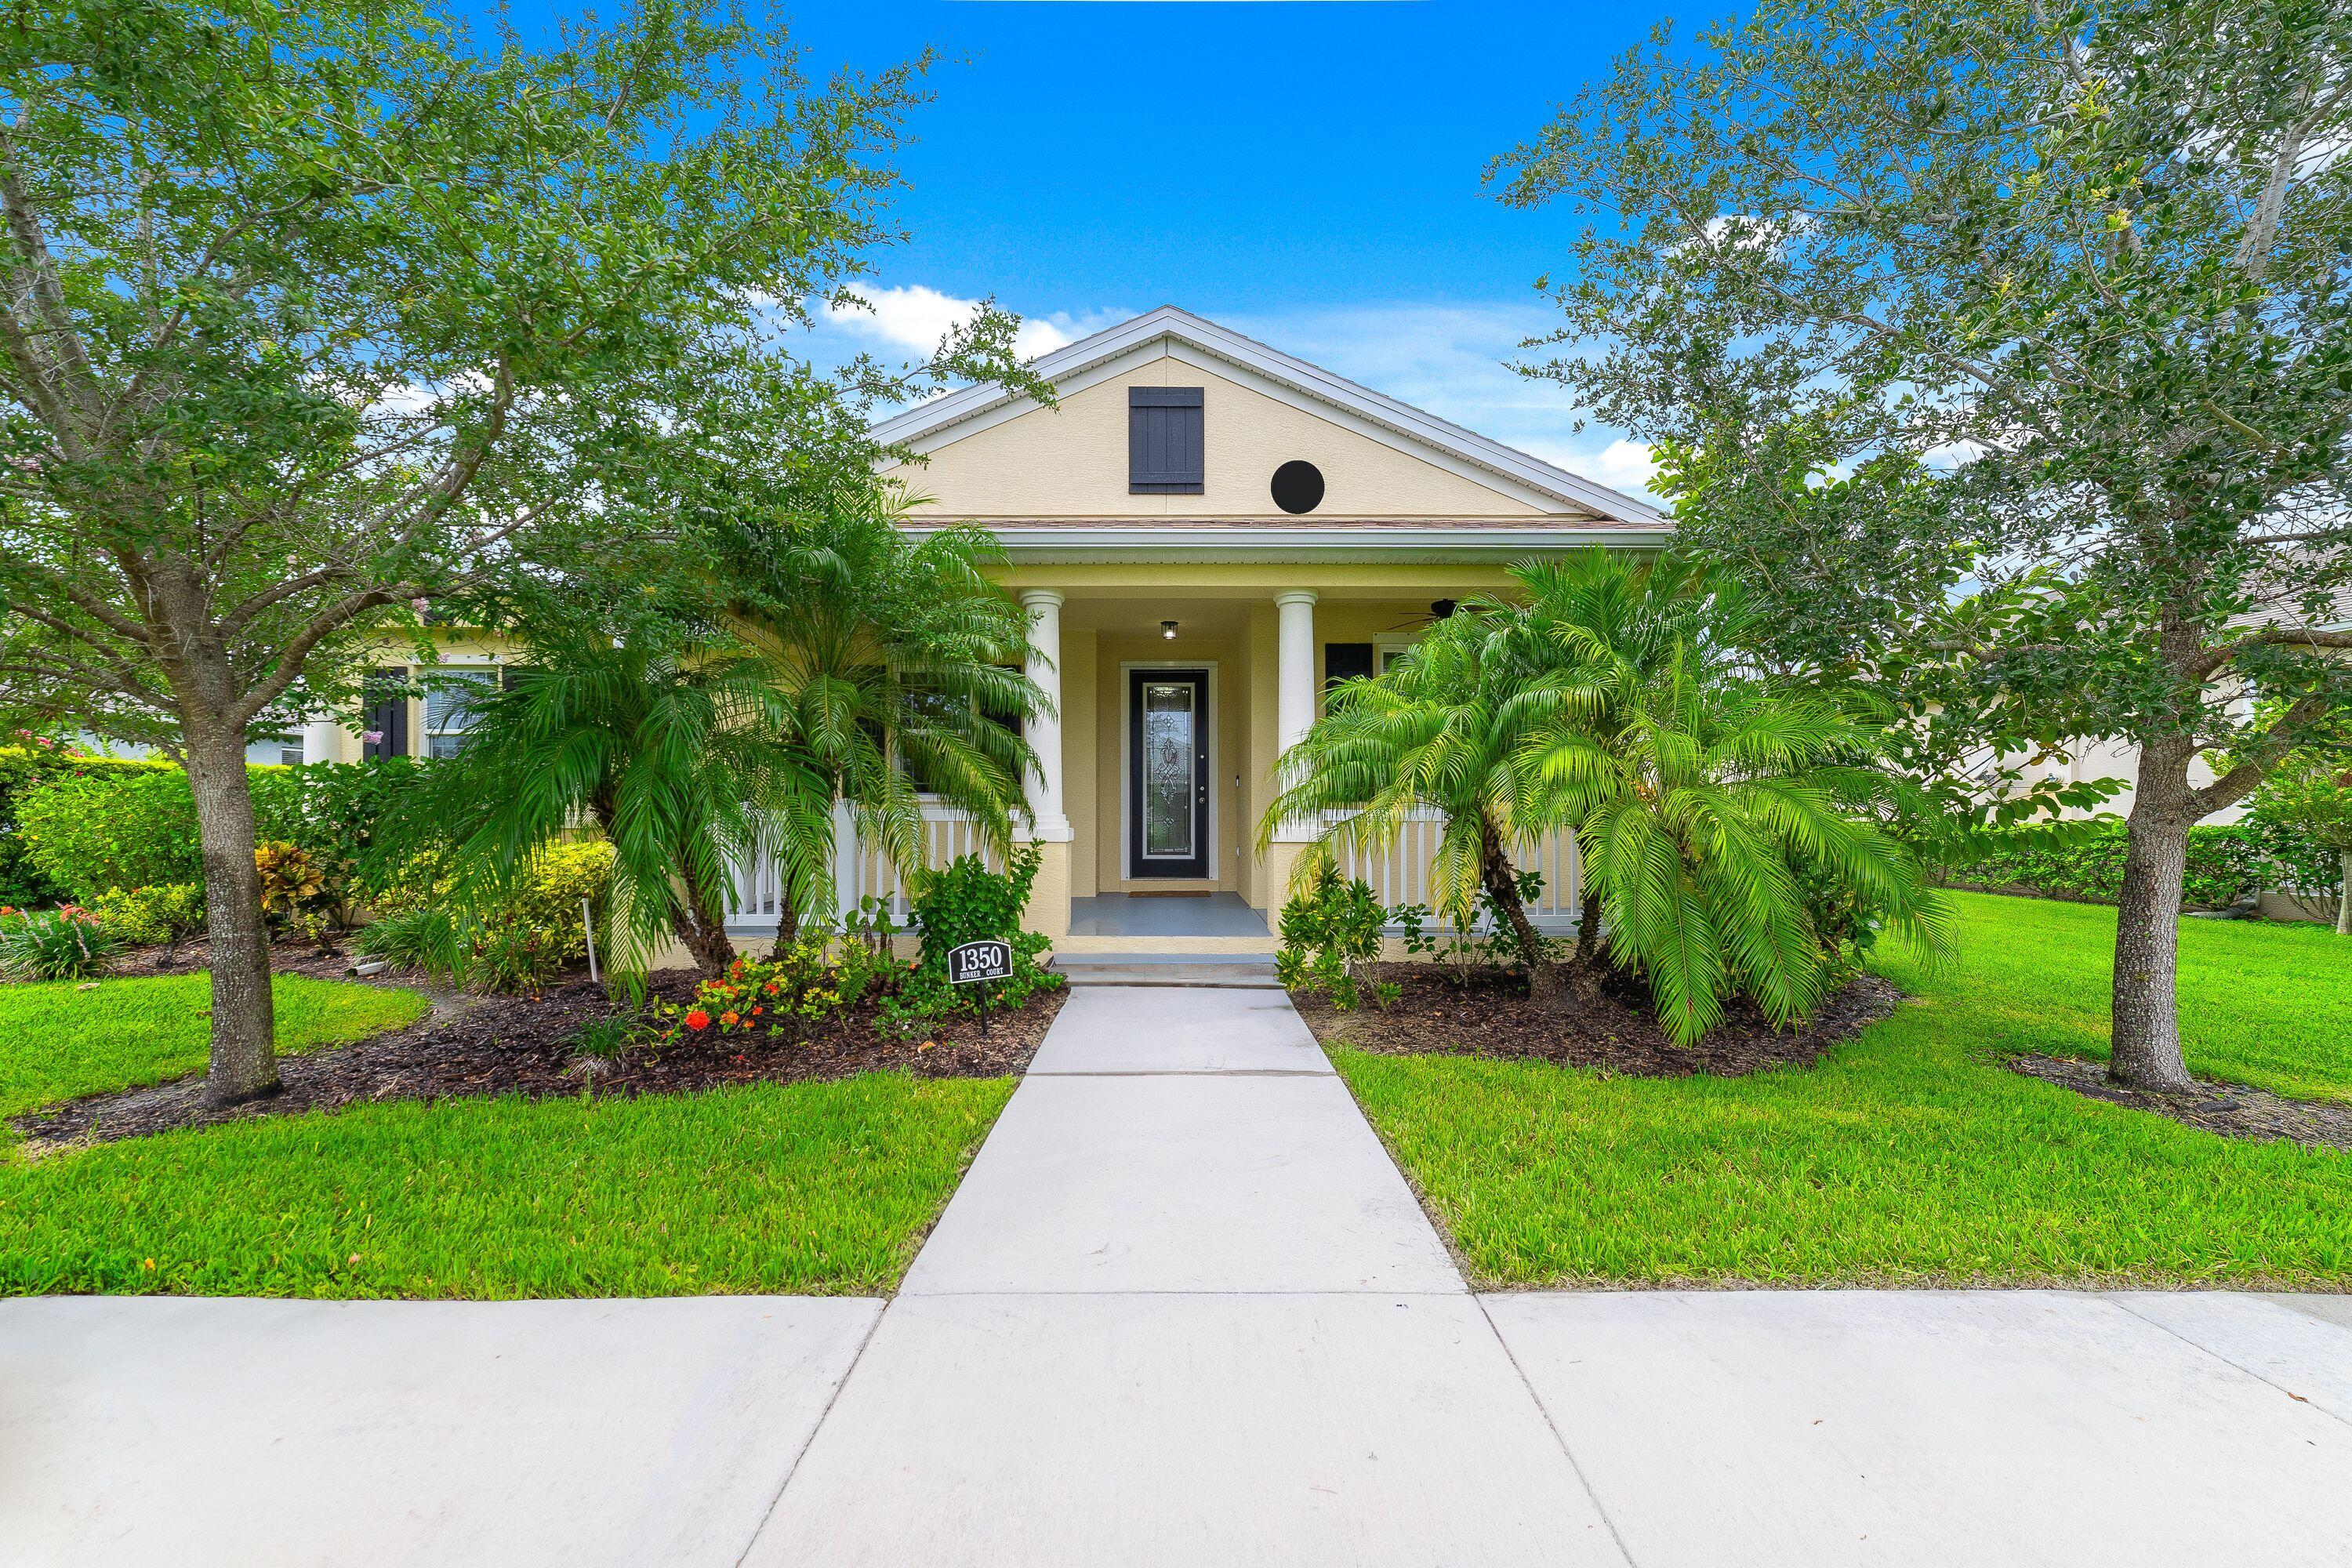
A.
pixel 935 422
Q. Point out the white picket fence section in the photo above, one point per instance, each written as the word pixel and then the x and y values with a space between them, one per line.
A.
pixel 860 869
pixel 1398 872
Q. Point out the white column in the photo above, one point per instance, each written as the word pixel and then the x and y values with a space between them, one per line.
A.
pixel 323 740
pixel 1294 665
pixel 1044 729
pixel 1294 683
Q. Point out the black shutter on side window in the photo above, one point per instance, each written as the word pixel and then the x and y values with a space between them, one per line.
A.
pixel 1163 441
pixel 386 698
pixel 1345 661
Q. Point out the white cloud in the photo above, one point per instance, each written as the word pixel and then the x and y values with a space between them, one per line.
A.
pixel 1623 465
pixel 918 317
pixel 1454 360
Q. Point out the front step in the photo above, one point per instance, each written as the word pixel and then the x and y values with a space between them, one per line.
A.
pixel 1222 971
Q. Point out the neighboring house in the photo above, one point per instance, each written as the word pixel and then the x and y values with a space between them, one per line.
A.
pixel 1207 532
pixel 270 751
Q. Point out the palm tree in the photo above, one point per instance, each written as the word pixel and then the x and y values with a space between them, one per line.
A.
pixel 1701 806
pixel 1593 627
pixel 1446 728
pixel 661 737
pixel 896 670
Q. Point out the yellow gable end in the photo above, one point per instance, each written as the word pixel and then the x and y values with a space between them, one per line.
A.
pixel 1070 462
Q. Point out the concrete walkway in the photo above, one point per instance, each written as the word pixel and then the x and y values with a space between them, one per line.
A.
pixel 1184 1311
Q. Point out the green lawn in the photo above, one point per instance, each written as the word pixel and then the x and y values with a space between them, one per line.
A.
pixel 59 1041
pixel 812 1187
pixel 1911 1155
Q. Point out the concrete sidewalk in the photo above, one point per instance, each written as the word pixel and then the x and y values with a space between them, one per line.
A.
pixel 1184 1311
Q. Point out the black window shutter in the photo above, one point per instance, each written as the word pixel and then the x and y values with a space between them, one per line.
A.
pixel 386 695
pixel 1163 441
pixel 1345 661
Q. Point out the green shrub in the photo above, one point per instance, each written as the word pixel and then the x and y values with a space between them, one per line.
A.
pixel 151 917
pixel 103 824
pixel 508 961
pixel 546 899
pixel 519 942
pixel 959 902
pixel 1330 939
pixel 2085 860
pixel 358 821
pixel 91 834
pixel 421 939
pixel 60 944
pixel 2303 819
pixel 603 1039
pixel 23 769
pixel 965 902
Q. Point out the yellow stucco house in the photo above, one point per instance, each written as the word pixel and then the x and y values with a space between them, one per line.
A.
pixel 1206 531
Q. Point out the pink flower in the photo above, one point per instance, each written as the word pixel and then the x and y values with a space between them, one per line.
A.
pixel 372 737
pixel 417 603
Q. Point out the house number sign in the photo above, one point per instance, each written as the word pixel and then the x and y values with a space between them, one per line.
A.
pixel 979 962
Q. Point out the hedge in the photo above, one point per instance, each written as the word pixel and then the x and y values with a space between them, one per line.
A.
pixel 86 831
pixel 2227 863
pixel 24 769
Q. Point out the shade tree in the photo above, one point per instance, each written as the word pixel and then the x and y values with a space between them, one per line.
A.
pixel 2006 348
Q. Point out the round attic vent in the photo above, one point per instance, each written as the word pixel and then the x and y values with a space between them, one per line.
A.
pixel 1297 487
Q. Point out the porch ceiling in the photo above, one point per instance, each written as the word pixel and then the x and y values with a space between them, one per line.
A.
pixel 1141 617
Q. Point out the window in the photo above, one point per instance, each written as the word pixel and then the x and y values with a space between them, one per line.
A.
pixel 1346 662
pixel 1163 441
pixel 449 711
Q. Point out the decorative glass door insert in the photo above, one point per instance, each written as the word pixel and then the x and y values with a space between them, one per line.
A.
pixel 1169 729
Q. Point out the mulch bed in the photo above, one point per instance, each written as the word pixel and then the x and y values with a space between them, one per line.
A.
pixel 285 957
pixel 2231 1109
pixel 1491 1018
pixel 512 1044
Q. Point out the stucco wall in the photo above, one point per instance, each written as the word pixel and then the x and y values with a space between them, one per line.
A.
pixel 1071 461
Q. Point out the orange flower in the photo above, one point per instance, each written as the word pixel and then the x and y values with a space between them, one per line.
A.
pixel 698 1019
pixel 729 1019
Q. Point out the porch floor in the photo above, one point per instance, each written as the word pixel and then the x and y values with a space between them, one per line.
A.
pixel 1123 914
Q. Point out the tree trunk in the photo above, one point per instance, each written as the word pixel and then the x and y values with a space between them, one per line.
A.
pixel 243 1059
pixel 1587 977
pixel 703 931
pixel 2146 1050
pixel 787 917
pixel 2344 892
pixel 1549 983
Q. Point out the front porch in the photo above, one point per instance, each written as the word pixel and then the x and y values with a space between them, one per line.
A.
pixel 1170 705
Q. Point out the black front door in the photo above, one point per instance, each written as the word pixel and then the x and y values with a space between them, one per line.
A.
pixel 1168 772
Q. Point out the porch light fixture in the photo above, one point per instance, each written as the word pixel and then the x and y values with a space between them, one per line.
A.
pixel 1167 630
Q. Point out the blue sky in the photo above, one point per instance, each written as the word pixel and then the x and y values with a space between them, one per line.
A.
pixel 1309 173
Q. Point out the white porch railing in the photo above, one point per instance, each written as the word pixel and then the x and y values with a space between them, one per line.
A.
pixel 1398 873
pixel 860 869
